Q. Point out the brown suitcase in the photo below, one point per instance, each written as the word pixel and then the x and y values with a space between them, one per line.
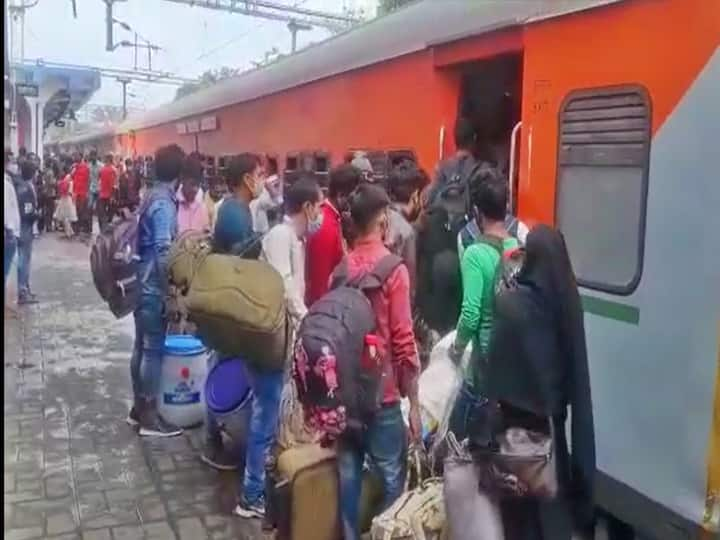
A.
pixel 302 498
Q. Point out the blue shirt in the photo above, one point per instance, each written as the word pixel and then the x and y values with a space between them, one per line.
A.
pixel 157 228
pixel 233 227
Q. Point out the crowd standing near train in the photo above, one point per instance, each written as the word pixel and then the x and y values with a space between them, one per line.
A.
pixel 457 253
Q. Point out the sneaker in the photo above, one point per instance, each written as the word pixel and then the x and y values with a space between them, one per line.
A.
pixel 218 458
pixel 250 510
pixel 27 299
pixel 133 417
pixel 152 424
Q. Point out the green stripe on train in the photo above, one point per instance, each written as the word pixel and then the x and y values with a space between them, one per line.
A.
pixel 610 310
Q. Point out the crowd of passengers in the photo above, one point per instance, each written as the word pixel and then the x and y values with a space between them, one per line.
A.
pixel 446 283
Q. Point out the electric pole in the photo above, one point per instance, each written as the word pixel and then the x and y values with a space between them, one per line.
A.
pixel 294 27
pixel 124 81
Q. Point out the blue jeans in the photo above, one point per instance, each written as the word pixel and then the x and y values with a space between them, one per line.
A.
pixel 386 445
pixel 213 437
pixel 9 248
pixel 471 417
pixel 267 389
pixel 149 346
pixel 24 248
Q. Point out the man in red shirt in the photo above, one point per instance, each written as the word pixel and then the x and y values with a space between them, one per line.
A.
pixel 324 249
pixel 385 439
pixel 81 187
pixel 108 181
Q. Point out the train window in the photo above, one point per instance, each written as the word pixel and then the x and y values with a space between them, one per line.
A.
pixel 291 163
pixel 398 156
pixel 271 165
pixel 602 184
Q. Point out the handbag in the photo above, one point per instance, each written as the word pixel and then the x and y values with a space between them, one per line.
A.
pixel 522 464
pixel 419 513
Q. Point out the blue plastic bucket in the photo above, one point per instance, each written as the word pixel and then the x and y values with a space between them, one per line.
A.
pixel 228 397
pixel 182 381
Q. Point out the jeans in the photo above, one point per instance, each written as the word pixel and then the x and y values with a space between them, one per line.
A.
pixel 471 417
pixel 9 249
pixel 386 445
pixel 25 243
pixel 104 212
pixel 213 437
pixel 149 346
pixel 267 388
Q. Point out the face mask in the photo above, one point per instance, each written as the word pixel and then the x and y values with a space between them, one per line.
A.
pixel 314 225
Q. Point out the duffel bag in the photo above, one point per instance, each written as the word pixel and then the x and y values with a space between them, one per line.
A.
pixel 238 306
pixel 418 514
pixel 186 255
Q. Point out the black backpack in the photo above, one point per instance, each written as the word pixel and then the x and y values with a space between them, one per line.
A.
pixel 336 367
pixel 27 202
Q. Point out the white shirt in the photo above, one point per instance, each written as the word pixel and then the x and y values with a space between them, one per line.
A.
pixel 284 251
pixel 12 212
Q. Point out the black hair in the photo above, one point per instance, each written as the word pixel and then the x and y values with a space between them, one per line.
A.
pixel 128 162
pixel 303 190
pixel 239 166
pixel 344 179
pixel 404 180
pixel 366 202
pixel 192 168
pixel 168 162
pixel 489 193
pixel 27 169
pixel 465 134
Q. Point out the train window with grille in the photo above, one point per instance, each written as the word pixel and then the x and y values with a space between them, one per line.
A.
pixel 602 184
pixel 291 163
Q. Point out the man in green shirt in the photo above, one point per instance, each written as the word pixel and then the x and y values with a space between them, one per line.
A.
pixel 479 265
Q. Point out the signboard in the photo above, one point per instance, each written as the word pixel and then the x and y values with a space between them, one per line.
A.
pixel 181 128
pixel 27 90
pixel 193 126
pixel 208 123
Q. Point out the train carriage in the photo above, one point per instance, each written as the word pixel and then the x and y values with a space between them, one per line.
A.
pixel 608 115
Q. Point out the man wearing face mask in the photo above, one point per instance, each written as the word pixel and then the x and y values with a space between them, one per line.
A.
pixel 234 234
pixel 283 248
pixel 234 226
pixel 325 249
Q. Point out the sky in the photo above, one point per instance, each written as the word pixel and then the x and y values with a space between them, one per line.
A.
pixel 193 39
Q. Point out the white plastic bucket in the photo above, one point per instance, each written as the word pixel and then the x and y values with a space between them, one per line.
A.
pixel 182 382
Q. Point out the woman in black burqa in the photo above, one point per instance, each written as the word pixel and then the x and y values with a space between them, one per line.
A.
pixel 537 368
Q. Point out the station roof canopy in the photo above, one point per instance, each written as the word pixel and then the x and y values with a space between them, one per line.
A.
pixel 72 87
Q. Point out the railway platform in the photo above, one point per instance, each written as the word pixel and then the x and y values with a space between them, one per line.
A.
pixel 73 469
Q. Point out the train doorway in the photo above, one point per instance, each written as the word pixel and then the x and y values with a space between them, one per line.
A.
pixel 491 98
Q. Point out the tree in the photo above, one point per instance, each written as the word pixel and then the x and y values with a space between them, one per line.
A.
pixel 386 6
pixel 210 77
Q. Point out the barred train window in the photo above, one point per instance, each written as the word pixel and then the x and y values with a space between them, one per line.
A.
pixel 603 161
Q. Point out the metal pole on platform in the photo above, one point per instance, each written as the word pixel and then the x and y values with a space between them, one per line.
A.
pixel 124 82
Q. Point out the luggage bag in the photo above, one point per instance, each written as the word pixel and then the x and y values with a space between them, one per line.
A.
pixel 302 495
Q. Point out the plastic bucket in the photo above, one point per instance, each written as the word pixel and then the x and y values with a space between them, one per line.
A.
pixel 182 381
pixel 228 397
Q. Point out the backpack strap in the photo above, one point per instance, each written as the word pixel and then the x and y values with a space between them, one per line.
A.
pixel 339 276
pixel 377 277
pixel 493 241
